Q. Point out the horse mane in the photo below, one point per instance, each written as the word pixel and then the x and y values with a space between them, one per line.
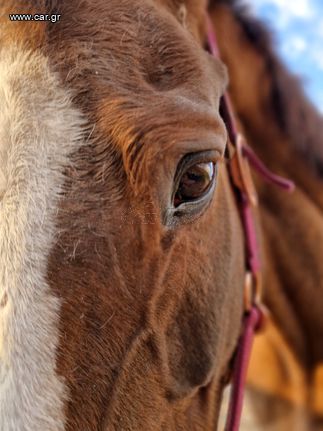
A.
pixel 296 116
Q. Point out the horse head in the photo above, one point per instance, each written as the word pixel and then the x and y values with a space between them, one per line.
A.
pixel 123 259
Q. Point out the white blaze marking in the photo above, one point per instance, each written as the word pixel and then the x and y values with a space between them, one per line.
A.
pixel 38 131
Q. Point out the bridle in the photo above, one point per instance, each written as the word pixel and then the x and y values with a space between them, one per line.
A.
pixel 254 312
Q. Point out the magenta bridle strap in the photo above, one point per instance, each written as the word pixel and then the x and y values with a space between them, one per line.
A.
pixel 251 321
pixel 266 174
pixel 243 158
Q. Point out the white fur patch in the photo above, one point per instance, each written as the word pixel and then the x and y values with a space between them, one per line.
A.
pixel 38 131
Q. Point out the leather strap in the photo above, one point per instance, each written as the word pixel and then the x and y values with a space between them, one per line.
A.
pixel 254 314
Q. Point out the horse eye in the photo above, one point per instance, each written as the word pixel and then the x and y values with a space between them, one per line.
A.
pixel 194 182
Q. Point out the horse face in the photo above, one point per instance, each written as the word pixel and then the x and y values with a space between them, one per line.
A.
pixel 148 263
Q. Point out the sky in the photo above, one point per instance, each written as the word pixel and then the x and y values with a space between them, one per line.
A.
pixel 298 30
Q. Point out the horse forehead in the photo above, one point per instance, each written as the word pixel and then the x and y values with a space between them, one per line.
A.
pixel 117 48
pixel 139 57
pixel 157 50
pixel 128 38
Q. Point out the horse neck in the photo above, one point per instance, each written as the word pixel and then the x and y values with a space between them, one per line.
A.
pixel 292 231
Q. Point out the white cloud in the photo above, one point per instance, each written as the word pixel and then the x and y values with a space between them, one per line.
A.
pixel 295 8
pixel 287 10
pixel 294 46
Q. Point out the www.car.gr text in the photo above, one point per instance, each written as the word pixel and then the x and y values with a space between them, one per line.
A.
pixel 34 17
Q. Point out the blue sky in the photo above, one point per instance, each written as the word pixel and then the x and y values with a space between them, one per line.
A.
pixel 298 29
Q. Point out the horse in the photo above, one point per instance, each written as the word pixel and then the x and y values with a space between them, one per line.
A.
pixel 122 248
pixel 80 234
pixel 286 384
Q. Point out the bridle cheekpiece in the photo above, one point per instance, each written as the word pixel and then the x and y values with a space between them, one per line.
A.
pixel 255 313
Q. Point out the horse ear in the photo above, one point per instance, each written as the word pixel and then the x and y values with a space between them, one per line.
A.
pixel 182 14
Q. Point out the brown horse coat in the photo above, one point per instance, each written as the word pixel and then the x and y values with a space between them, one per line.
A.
pixel 112 317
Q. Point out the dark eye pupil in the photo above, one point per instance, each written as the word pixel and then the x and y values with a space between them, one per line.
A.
pixel 194 182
